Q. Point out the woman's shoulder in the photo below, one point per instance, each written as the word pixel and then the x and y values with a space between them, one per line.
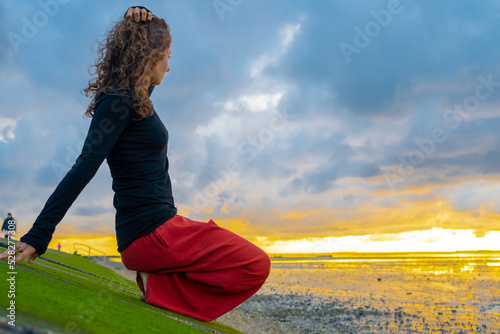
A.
pixel 115 94
pixel 115 105
pixel 117 97
pixel 115 90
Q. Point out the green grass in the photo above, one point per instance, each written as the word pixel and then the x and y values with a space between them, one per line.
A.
pixel 53 297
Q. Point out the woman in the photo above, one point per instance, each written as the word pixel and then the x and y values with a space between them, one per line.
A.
pixel 194 268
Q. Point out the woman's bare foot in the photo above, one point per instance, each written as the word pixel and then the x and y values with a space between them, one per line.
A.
pixel 144 276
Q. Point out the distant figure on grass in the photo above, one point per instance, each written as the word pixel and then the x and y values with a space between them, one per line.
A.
pixel 59 246
pixel 190 267
pixel 9 226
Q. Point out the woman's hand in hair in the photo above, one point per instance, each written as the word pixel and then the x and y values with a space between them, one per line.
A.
pixel 138 14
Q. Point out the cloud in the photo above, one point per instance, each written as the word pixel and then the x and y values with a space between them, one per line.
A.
pixel 7 128
pixel 92 211
pixel 382 238
pixel 313 137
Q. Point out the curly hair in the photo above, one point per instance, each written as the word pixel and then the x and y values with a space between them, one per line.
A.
pixel 127 57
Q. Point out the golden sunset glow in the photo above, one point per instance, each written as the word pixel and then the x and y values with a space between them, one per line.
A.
pixel 106 244
pixel 415 219
pixel 433 240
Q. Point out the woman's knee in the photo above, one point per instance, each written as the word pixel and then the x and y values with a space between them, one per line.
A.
pixel 261 268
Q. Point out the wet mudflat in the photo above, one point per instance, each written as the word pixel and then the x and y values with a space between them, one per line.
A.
pixel 432 293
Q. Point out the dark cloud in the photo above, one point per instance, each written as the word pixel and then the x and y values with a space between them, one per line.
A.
pixel 92 211
pixel 349 119
pixel 425 42
pixel 4 39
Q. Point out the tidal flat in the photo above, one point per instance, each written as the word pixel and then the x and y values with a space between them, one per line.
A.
pixel 375 293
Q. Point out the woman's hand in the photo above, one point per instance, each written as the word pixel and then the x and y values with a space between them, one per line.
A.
pixel 138 14
pixel 26 249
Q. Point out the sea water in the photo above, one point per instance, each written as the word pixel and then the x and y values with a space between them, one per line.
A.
pixel 376 293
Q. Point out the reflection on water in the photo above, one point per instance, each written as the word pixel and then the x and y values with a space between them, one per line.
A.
pixel 379 293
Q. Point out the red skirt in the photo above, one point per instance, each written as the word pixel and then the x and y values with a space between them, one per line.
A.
pixel 197 269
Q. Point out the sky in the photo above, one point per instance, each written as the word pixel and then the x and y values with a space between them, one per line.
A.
pixel 303 126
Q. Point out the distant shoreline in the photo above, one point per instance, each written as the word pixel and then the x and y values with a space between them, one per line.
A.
pixel 358 255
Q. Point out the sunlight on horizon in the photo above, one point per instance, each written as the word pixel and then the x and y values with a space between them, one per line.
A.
pixel 432 240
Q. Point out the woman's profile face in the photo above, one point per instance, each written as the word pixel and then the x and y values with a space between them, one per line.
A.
pixel 161 68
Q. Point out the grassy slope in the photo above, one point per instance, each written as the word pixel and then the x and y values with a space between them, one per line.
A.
pixel 57 300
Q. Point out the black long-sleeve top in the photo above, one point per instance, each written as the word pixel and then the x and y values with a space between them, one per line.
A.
pixel 136 152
